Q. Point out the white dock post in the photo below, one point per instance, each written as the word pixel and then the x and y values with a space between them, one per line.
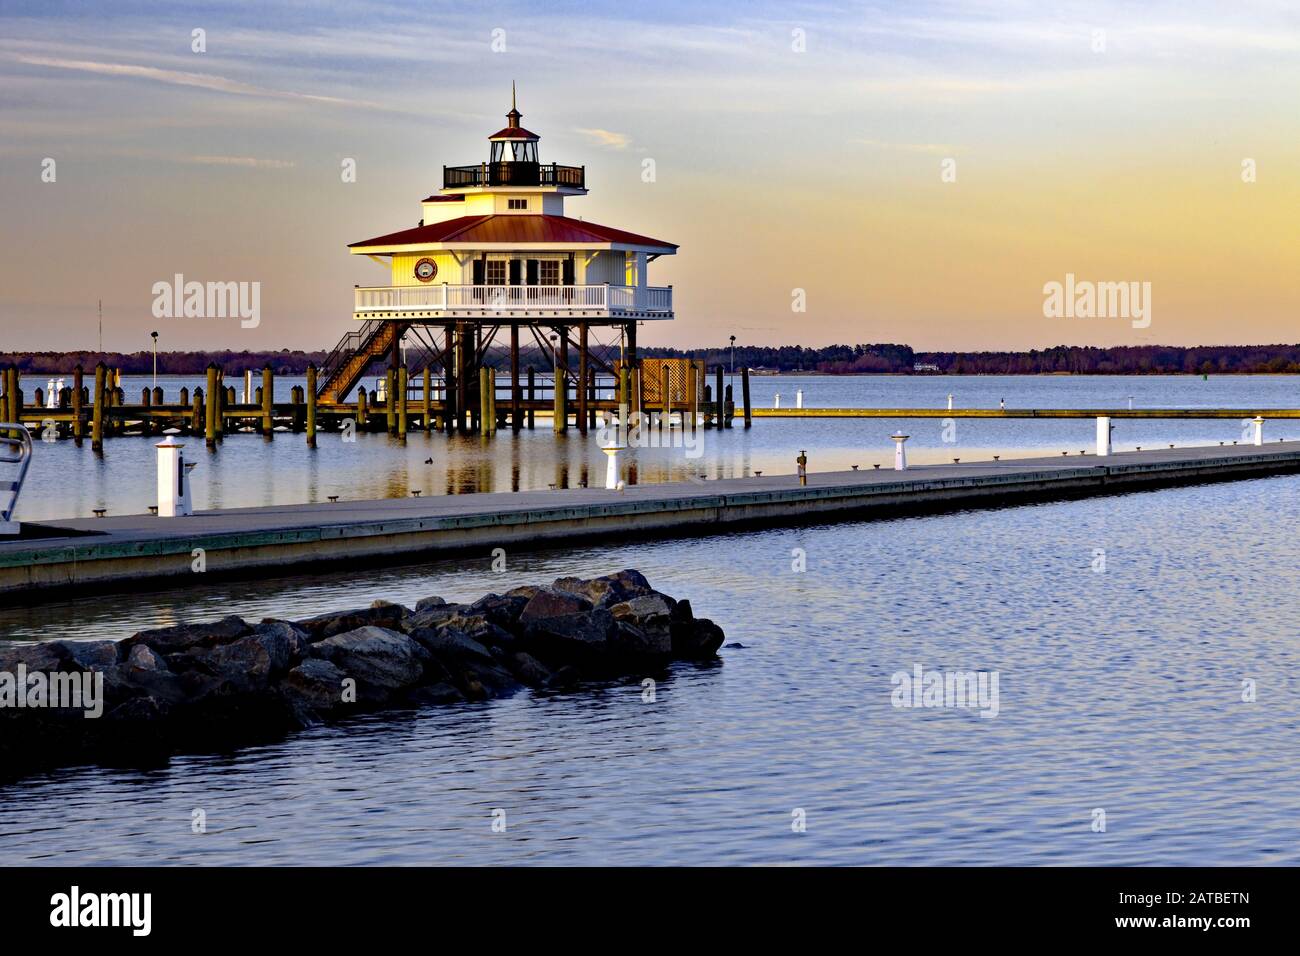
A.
pixel 173 480
pixel 798 398
pixel 248 386
pixel 776 402
pixel 900 455
pixel 611 466
pixel 1259 430
pixel 950 401
pixel 1103 435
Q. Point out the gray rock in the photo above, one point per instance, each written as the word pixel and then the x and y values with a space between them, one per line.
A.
pixel 433 615
pixel 608 589
pixel 340 622
pixel 45 656
pixel 379 659
pixel 502 610
pixel 180 637
pixel 570 638
pixel 91 655
pixel 450 644
pixel 529 669
pixel 629 640
pixel 425 603
pixel 315 683
pixel 550 603
pixel 698 639
pixel 440 693
pixel 565 678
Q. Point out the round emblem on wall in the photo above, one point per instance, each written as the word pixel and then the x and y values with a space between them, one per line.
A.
pixel 425 270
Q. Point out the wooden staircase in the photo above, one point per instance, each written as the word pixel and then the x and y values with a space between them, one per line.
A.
pixel 341 371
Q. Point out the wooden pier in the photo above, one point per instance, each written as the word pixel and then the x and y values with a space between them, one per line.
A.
pixel 144 551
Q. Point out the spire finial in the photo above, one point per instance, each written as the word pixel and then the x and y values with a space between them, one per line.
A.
pixel 512 96
pixel 514 114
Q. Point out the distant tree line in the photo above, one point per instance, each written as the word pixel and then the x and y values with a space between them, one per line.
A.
pixel 831 360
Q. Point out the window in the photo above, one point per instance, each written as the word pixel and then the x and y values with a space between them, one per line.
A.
pixel 496 272
pixel 517 203
pixel 548 272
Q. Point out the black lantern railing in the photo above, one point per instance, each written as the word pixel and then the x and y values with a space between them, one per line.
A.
pixel 514 174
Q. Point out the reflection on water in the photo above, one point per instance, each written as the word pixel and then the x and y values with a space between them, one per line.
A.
pixel 247 470
pixel 1119 690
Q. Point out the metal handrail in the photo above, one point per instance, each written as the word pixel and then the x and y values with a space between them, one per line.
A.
pixel 13 451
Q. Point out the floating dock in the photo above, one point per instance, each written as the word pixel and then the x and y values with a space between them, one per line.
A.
pixel 147 552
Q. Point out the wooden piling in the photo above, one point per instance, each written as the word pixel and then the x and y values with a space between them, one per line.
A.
pixel 426 403
pixel 693 395
pixel 719 410
pixel 311 406
pixel 582 378
pixel 665 395
pixel 532 394
pixel 484 400
pixel 561 386
pixel 97 421
pixel 268 402
pixel 78 426
pixel 198 414
pixel 516 420
pixel 744 392
pixel 213 404
pixel 400 398
pixel 390 400
pixel 727 402
pixel 363 410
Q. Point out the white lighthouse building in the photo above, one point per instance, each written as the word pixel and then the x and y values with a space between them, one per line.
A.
pixel 494 251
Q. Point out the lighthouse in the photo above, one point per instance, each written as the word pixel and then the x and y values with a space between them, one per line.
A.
pixel 495 254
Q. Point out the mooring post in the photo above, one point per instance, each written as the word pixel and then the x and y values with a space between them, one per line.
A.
pixel 802 463
pixel 363 410
pixel 1103 436
pixel 693 394
pixel 78 426
pixel 582 378
pixel 718 394
pixel 311 406
pixel 219 402
pixel 390 407
pixel 1259 430
pixel 198 414
pixel 532 394
pixel 213 400
pixel 744 392
pixel 400 397
pixel 728 403
pixel 426 403
pixel 268 402
pixel 97 413
pixel 516 419
pixel 559 413
pixel 492 398
pixel 665 386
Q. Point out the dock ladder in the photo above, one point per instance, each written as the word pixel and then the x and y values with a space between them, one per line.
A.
pixel 15 449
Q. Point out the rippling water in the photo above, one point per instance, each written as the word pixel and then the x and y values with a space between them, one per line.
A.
pixel 1118 690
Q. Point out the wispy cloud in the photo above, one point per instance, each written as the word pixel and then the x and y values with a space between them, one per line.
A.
pixel 604 137
pixel 207 81
pixel 250 162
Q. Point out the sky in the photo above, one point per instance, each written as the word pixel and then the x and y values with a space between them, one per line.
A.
pixel 913 172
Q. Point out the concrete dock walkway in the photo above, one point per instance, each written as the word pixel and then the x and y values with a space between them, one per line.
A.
pixel 144 551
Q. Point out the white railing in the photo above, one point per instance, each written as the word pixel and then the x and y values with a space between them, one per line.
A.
pixel 491 298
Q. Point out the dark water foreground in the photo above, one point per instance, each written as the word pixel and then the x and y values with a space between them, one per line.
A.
pixel 1120 689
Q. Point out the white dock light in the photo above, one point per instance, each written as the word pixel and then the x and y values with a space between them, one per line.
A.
pixel 798 398
pixel 776 402
pixel 173 480
pixel 611 465
pixel 900 454
pixel 1259 430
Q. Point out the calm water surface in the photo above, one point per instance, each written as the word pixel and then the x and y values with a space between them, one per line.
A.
pixel 67 481
pixel 1118 690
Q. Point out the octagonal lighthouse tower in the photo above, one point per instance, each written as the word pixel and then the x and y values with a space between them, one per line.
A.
pixel 495 251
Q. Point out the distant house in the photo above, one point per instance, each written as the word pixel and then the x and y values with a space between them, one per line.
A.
pixel 924 367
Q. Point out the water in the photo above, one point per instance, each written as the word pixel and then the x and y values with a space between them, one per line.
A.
pixel 66 481
pixel 1119 690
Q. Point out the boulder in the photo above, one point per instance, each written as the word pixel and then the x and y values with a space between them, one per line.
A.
pixel 381 660
pixel 340 622
pixel 608 589
pixel 528 669
pixel 501 610
pixel 449 644
pixel 551 603
pixel 577 638
pixel 315 684
pixel 180 637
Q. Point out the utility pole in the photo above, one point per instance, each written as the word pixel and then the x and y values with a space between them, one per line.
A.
pixel 101 325
pixel 154 335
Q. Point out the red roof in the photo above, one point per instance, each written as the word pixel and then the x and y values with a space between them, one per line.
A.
pixel 517 229
pixel 514 132
pixel 459 197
